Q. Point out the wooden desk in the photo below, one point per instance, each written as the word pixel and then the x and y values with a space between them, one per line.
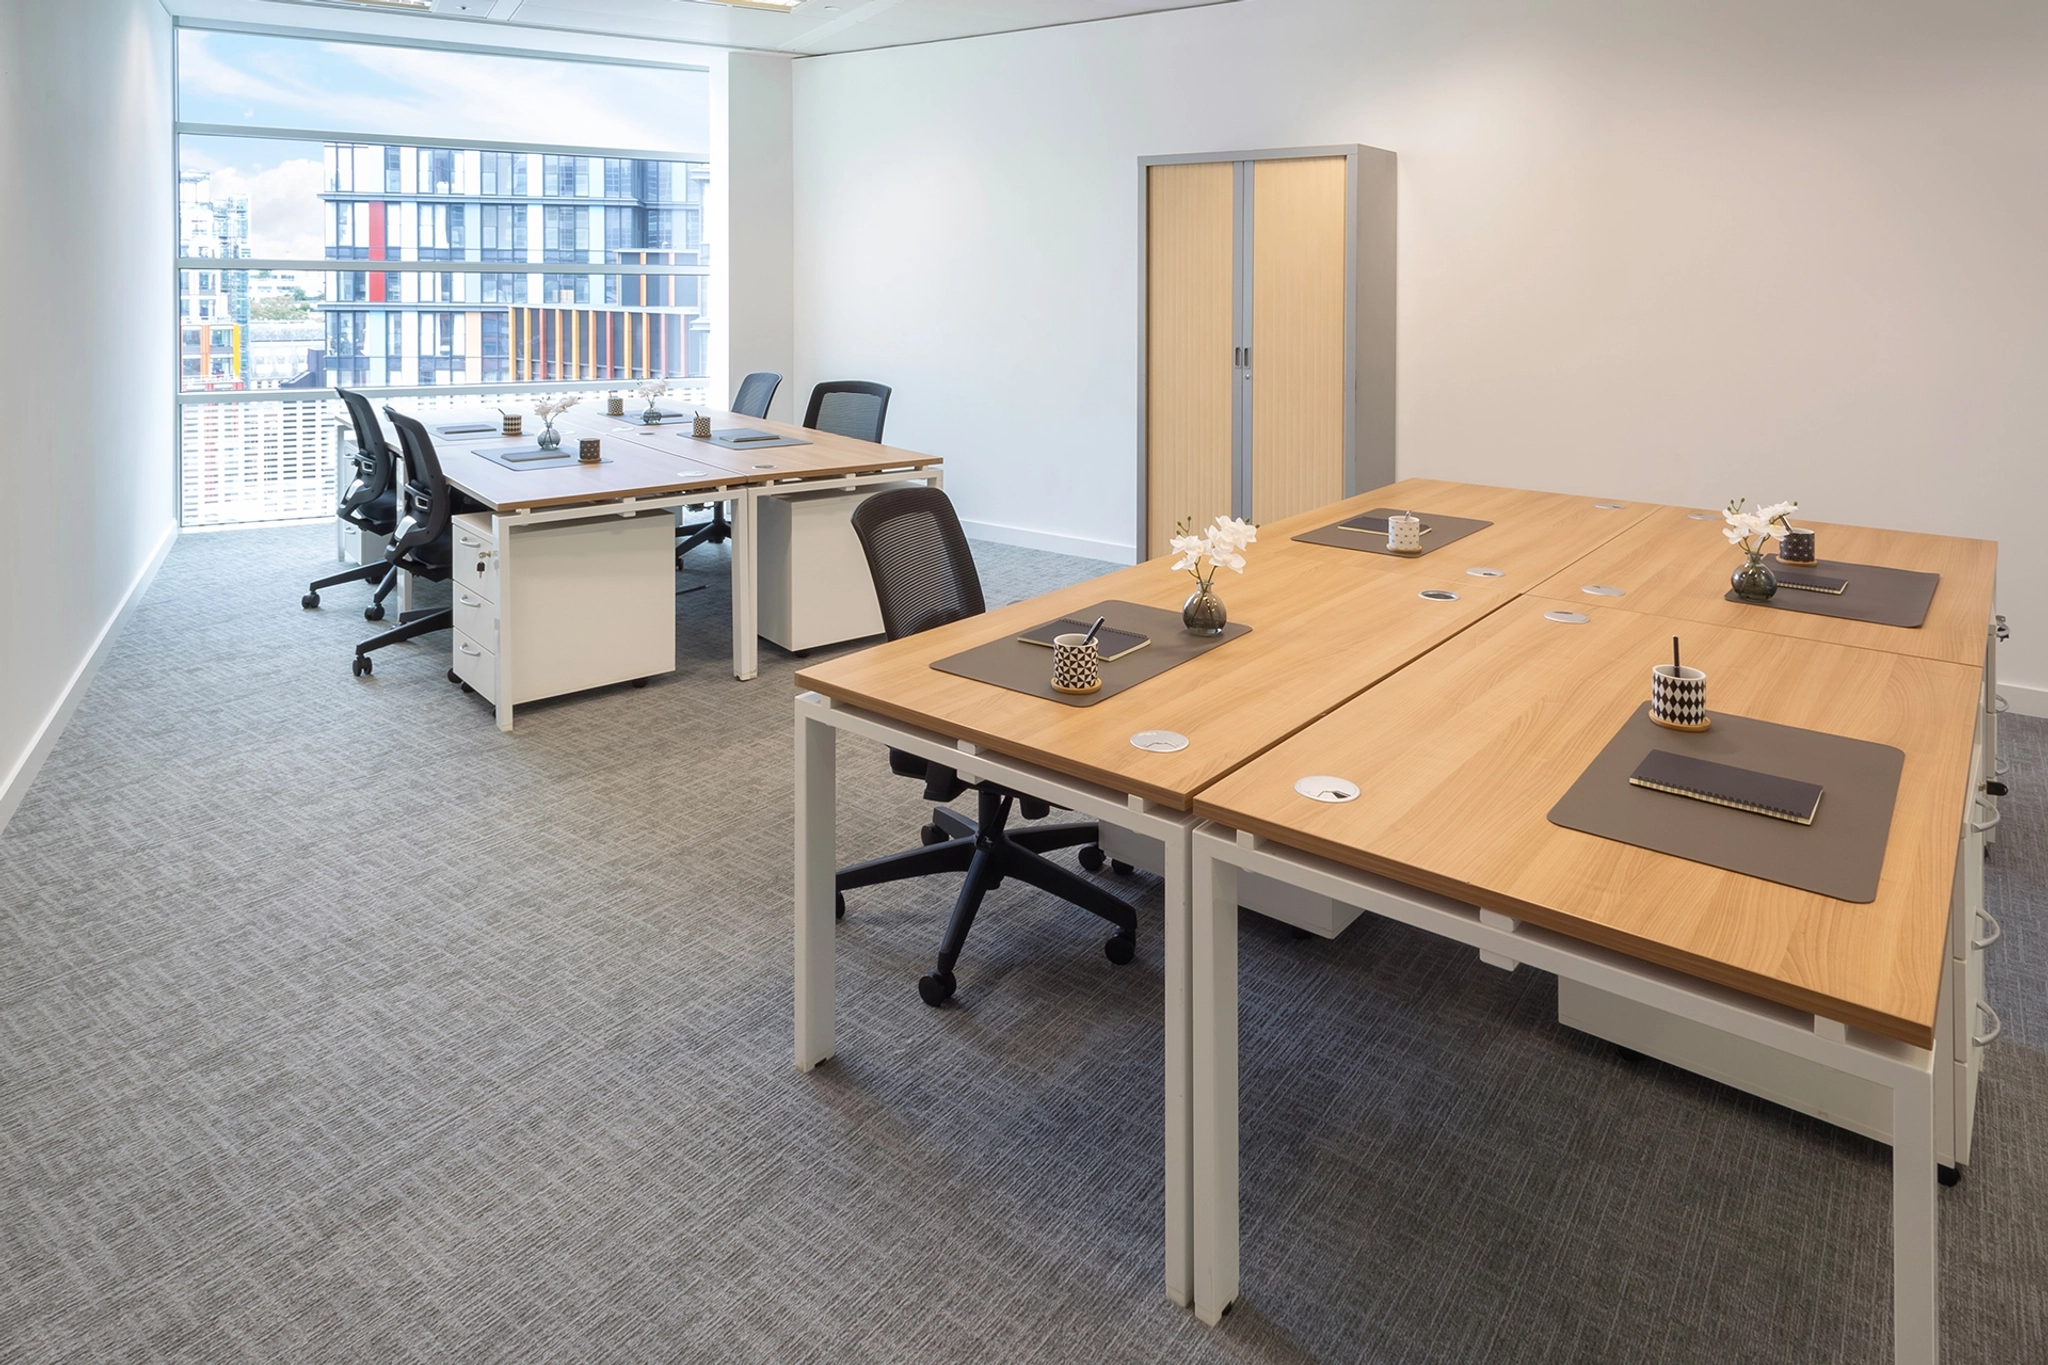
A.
pixel 1326 624
pixel 1461 757
pixel 1676 563
pixel 654 469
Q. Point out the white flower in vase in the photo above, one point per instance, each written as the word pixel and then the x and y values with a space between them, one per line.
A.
pixel 548 408
pixel 1751 532
pixel 1221 544
pixel 652 390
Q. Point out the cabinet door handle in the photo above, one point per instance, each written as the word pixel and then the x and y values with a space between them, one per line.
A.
pixel 1997 1025
pixel 1988 825
pixel 1986 940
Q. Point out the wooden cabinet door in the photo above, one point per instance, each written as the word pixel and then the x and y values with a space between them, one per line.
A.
pixel 1297 335
pixel 1189 259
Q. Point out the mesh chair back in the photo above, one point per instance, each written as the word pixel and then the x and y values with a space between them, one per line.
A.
pixel 757 391
pixel 420 542
pixel 918 556
pixel 372 482
pixel 849 407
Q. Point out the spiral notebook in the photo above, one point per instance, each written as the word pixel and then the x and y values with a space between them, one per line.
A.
pixel 1781 798
pixel 1811 582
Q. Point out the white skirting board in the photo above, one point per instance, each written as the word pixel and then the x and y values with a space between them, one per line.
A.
pixel 23 774
pixel 2024 700
pixel 1110 551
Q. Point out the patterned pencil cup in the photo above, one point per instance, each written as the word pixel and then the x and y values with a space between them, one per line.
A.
pixel 1076 667
pixel 700 425
pixel 513 423
pixel 1404 534
pixel 614 406
pixel 587 450
pixel 1678 697
pixel 1796 547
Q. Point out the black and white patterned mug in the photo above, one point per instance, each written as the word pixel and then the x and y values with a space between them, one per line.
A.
pixel 1796 547
pixel 1678 696
pixel 590 450
pixel 1076 667
pixel 1404 533
pixel 513 423
pixel 700 426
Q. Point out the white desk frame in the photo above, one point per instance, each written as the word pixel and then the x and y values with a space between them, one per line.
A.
pixel 818 723
pixel 1220 854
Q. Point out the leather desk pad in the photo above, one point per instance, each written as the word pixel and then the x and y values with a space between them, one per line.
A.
pixel 1885 597
pixel 1011 663
pixel 1840 854
pixel 1442 531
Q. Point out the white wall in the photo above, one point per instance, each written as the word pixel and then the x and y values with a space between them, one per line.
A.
pixel 753 287
pixel 85 225
pixel 1649 248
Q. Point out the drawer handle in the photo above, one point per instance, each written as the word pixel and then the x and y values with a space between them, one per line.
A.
pixel 1987 826
pixel 471 542
pixel 1997 1025
pixel 1988 939
pixel 467 648
pixel 468 601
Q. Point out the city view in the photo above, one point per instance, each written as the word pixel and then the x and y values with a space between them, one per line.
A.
pixel 372 253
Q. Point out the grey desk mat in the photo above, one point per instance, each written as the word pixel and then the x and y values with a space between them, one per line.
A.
pixel 769 444
pixel 1840 854
pixel 1011 663
pixel 456 430
pixel 566 455
pixel 1885 597
pixel 1442 531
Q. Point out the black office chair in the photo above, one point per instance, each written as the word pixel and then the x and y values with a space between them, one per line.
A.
pixel 420 544
pixel 924 577
pixel 757 391
pixel 849 407
pixel 369 502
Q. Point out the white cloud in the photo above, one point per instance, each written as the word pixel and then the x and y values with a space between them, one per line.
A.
pixel 284 206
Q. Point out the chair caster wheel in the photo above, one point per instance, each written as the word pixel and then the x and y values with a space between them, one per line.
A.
pixel 930 834
pixel 1120 867
pixel 310 601
pixel 1092 857
pixel 1948 1175
pixel 360 665
pixel 936 988
pixel 838 906
pixel 1121 949
pixel 374 612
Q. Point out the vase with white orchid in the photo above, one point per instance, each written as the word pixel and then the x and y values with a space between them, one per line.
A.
pixel 652 391
pixel 1751 532
pixel 1221 545
pixel 548 407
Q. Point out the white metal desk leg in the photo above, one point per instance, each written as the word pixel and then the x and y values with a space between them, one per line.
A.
pixel 816 764
pixel 746 592
pixel 1214 1018
pixel 1916 1265
pixel 501 529
pixel 1180 1189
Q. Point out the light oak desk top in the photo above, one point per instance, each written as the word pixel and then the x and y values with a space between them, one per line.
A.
pixel 826 454
pixel 1673 565
pixel 1326 624
pixel 1461 756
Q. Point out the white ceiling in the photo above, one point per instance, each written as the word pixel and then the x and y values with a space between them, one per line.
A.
pixel 813 27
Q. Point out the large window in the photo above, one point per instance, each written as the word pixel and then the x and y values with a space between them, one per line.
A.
pixel 446 192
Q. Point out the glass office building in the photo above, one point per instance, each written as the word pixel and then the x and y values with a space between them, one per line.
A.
pixel 213 305
pixel 394 211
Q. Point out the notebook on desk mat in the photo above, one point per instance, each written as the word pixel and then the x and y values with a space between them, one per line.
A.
pixel 521 454
pixel 469 429
pixel 1722 784
pixel 1375 525
pixel 1811 582
pixel 1110 645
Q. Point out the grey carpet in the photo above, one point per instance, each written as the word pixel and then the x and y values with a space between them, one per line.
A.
pixel 336 1025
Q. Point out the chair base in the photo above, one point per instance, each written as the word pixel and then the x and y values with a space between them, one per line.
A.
pixel 988 852
pixel 715 530
pixel 377 571
pixel 415 624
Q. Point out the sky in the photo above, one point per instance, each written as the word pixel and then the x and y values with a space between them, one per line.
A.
pixel 261 80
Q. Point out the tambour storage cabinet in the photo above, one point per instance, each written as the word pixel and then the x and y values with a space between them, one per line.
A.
pixel 1266 333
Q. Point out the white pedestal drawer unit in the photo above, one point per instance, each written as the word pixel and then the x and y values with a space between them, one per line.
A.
pixel 589 603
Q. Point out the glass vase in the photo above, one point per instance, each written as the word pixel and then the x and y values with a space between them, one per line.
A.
pixel 549 438
pixel 1753 582
pixel 1203 613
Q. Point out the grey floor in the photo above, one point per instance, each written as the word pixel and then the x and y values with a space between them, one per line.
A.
pixel 336 1025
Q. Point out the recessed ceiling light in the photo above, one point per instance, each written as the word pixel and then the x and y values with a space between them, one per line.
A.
pixel 784 5
pixel 396 4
